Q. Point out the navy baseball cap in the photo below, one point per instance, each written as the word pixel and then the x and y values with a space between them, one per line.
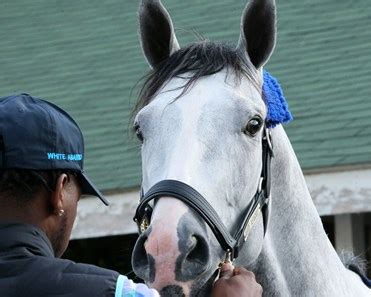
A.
pixel 38 135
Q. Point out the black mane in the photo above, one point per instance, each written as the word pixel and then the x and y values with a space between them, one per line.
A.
pixel 199 59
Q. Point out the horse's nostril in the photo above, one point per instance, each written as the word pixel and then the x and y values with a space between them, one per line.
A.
pixel 198 251
pixel 194 258
pixel 139 253
pixel 143 263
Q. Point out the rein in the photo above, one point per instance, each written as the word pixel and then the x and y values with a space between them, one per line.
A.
pixel 231 243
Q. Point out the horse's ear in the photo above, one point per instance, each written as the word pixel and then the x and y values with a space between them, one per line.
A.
pixel 156 31
pixel 258 31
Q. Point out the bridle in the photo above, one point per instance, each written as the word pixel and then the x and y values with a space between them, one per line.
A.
pixel 231 244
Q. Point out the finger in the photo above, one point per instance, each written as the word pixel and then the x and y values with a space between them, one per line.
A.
pixel 226 271
pixel 244 272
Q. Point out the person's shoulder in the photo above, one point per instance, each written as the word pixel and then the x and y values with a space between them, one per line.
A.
pixel 47 276
pixel 108 282
pixel 85 278
pixel 70 267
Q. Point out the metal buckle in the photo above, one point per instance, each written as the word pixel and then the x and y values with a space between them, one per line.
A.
pixel 144 224
pixel 227 259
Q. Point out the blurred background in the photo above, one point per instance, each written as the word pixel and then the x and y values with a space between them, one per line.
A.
pixel 85 56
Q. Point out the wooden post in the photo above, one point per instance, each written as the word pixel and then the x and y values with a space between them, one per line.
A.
pixel 368 247
pixel 350 233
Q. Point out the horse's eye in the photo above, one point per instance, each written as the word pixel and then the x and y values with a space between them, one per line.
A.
pixel 138 131
pixel 253 126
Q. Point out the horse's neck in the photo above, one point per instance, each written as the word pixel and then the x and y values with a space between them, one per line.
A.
pixel 297 258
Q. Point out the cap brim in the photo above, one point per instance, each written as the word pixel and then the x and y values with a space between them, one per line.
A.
pixel 88 188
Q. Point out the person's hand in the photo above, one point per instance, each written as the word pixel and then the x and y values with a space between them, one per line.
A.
pixel 236 282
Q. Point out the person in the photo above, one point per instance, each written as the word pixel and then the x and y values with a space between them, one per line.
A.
pixel 41 181
pixel 236 282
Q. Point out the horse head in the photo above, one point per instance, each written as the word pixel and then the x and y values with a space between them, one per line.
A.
pixel 201 121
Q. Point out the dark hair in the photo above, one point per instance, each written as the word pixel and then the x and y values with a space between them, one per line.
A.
pixel 24 184
pixel 199 59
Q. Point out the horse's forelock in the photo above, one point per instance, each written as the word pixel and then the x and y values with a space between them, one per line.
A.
pixel 198 60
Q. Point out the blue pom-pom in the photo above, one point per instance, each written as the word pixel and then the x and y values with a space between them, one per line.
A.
pixel 278 109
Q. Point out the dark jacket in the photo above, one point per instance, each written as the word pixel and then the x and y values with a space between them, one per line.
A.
pixel 28 268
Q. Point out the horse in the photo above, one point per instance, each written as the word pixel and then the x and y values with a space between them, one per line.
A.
pixel 212 167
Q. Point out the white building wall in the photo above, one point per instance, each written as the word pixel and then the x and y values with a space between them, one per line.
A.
pixel 333 193
pixel 341 192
